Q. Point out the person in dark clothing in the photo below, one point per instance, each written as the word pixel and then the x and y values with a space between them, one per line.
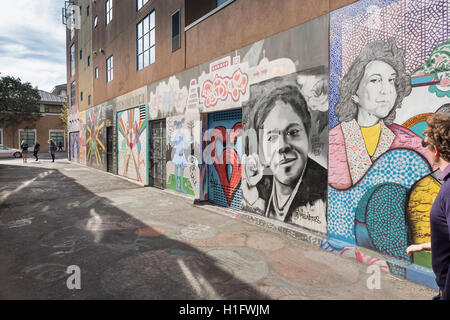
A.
pixel 24 147
pixel 437 141
pixel 37 147
pixel 60 146
pixel 52 149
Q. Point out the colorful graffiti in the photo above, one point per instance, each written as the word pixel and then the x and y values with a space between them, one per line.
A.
pixel 182 170
pixel 74 140
pixel 380 181
pixel 224 152
pixel 132 144
pixel 223 87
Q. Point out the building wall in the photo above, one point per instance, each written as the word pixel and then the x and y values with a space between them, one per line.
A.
pixel 381 201
pixel 42 126
pixel 118 38
pixel 86 73
pixel 244 22
pixel 350 199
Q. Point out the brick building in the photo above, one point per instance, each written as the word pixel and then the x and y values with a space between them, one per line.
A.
pixel 49 125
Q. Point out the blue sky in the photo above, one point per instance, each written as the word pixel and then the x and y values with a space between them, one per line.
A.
pixel 33 42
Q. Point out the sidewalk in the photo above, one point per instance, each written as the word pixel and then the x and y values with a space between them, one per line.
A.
pixel 132 242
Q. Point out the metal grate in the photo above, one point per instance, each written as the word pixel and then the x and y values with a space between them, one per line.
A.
pixel 217 193
pixel 225 115
pixel 142 113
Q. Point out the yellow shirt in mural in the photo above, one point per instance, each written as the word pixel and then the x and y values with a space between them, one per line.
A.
pixel 371 136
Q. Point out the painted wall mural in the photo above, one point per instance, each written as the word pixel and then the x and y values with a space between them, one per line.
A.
pixel 97 119
pixel 132 151
pixel 285 148
pixel 82 127
pixel 385 58
pixel 182 169
pixel 74 140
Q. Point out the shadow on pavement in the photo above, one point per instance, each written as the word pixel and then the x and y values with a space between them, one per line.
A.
pixel 49 222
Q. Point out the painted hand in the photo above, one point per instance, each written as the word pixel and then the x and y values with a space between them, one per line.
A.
pixel 252 174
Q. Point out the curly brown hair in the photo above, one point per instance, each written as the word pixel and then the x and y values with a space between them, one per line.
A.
pixel 438 134
pixel 346 109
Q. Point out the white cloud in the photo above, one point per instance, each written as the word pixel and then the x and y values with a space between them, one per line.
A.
pixel 33 41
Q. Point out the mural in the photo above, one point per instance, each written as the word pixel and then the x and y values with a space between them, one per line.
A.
pixel 381 184
pixel 82 126
pixel 223 157
pixel 97 119
pixel 284 163
pixel 132 144
pixel 182 169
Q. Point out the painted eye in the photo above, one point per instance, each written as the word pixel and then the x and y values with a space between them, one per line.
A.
pixel 272 138
pixel 293 132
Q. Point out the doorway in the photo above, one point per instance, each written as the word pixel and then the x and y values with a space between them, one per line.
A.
pixel 157 153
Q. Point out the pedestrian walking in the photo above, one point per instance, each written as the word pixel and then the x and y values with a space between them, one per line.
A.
pixel 52 149
pixel 37 147
pixel 24 147
pixel 437 141
pixel 60 146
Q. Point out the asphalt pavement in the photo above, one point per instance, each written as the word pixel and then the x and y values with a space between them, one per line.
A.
pixel 119 240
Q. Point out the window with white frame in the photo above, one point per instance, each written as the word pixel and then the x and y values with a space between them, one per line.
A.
pixel 109 10
pixel 58 138
pixel 72 60
pixel 95 21
pixel 145 41
pixel 141 3
pixel 96 73
pixel 110 69
pixel 29 135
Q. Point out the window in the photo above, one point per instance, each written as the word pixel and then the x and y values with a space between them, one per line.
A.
pixel 109 11
pixel 141 3
pixel 1 136
pixel 220 2
pixel 72 60
pixel 29 135
pixel 87 10
pixel 95 21
pixel 145 43
pixel 81 54
pixel 72 93
pixel 96 73
pixel 176 44
pixel 89 60
pixel 110 69
pixel 89 100
pixel 58 137
pixel 52 109
pixel 81 96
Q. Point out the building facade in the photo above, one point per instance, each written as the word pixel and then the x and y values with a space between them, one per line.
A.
pixel 48 126
pixel 260 106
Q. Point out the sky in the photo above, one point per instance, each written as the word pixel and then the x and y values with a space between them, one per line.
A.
pixel 33 42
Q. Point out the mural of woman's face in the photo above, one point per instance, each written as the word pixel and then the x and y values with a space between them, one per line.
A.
pixel 285 143
pixel 377 93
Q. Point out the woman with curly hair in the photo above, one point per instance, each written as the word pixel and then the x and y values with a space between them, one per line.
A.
pixel 369 95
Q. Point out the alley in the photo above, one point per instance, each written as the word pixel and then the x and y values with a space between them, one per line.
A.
pixel 132 242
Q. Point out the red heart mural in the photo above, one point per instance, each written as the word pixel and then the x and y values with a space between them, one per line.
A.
pixel 229 157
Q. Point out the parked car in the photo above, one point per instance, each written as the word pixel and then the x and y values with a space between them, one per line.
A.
pixel 10 152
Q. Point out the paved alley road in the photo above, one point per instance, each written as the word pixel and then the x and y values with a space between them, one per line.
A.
pixel 132 242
